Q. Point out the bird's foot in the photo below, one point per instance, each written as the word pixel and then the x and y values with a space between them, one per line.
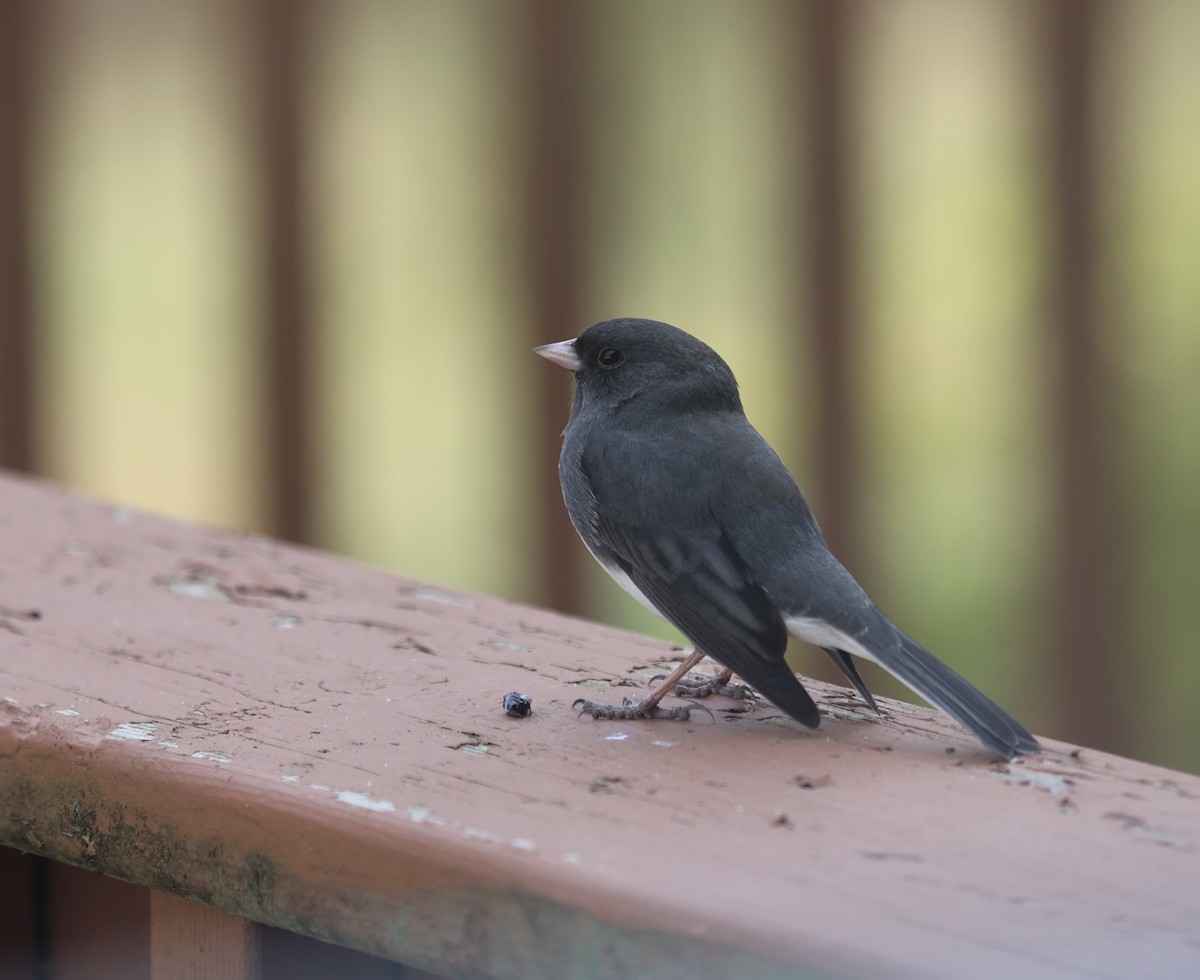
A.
pixel 633 710
pixel 701 686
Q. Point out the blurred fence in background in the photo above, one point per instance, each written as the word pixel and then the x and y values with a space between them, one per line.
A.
pixel 279 264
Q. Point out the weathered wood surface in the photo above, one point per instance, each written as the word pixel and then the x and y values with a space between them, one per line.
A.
pixel 319 745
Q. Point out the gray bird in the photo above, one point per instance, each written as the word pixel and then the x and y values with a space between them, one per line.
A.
pixel 689 509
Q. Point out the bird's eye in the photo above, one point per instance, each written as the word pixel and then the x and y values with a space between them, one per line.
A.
pixel 609 357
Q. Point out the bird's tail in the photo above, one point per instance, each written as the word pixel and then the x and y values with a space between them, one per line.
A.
pixel 942 687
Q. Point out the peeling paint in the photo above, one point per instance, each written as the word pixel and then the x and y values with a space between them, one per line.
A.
pixel 422 814
pixel 365 802
pixel 134 731
pixel 617 737
pixel 481 834
pixel 198 588
pixel 213 756
pixel 508 645
pixel 446 600
pixel 287 622
pixel 523 844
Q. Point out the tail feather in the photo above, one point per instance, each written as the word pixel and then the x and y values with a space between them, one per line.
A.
pixel 846 665
pixel 941 686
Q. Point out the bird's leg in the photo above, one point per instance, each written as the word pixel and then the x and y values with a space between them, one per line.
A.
pixel 648 706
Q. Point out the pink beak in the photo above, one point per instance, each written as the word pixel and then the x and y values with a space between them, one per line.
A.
pixel 562 353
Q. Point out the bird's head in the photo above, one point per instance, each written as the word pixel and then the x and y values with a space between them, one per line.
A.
pixel 617 361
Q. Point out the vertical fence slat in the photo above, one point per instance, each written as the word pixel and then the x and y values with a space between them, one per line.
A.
pixel 198 942
pixel 1087 539
pixel 555 234
pixel 823 70
pixel 99 927
pixel 280 34
pixel 18 928
pixel 16 329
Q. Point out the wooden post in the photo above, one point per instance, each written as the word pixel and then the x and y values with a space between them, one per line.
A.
pixel 279 29
pixel 555 234
pixel 823 70
pixel 1088 539
pixel 18 46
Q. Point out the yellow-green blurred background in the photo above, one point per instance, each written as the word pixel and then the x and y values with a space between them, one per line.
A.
pixel 147 229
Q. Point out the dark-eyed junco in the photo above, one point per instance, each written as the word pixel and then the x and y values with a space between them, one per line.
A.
pixel 690 510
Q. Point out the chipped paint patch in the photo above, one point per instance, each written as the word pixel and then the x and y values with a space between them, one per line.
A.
pixel 365 802
pixel 13 701
pixel 422 814
pixel 664 745
pixel 198 588
pixel 473 748
pixel 1049 782
pixel 446 600
pixel 287 622
pixel 616 737
pixel 523 844
pixel 507 645
pixel 134 731
pixel 289 779
pixel 69 712
pixel 481 834
pixel 213 756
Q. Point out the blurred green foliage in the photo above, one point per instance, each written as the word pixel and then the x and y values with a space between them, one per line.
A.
pixel 148 257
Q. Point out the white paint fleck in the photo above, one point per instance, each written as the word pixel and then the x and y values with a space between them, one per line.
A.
pixel 134 731
pixel 665 745
pixel 69 712
pixel 365 802
pixel 12 701
pixel 523 844
pixel 320 786
pixel 213 756
pixel 481 834
pixel 198 588
pixel 571 858
pixel 507 645
pixel 473 749
pixel 618 737
pixel 290 779
pixel 422 814
pixel 287 622
pixel 168 744
pixel 446 600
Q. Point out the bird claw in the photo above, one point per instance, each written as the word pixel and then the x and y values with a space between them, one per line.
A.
pixel 633 710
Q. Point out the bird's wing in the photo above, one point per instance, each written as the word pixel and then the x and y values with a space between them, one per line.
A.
pixel 688 569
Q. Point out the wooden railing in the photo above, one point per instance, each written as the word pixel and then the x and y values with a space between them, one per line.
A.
pixel 260 734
